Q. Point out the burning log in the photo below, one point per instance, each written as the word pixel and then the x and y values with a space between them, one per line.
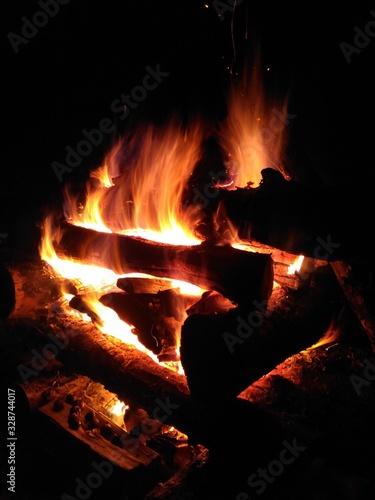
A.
pixel 138 285
pixel 240 276
pixel 135 378
pixel 155 329
pixel 301 219
pixel 134 312
pixel 222 354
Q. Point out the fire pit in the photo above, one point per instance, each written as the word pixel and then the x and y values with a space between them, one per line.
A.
pixel 191 315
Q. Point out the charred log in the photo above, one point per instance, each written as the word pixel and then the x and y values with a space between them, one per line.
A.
pixel 240 276
pixel 359 297
pixel 132 310
pixel 301 219
pixel 222 354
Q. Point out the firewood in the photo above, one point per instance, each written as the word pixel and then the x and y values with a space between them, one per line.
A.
pixel 298 218
pixel 222 354
pixel 240 276
pixel 143 285
pixel 355 294
pixel 132 374
pixel 134 312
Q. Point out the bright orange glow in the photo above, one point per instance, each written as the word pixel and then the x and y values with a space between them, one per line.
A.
pixel 119 408
pixel 139 189
pixel 95 281
pixel 112 325
pixel 186 288
pixel 243 246
pixel 253 134
pixel 296 266
pixel 330 336
pixel 83 275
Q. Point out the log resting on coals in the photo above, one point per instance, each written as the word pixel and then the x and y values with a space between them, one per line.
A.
pixel 222 354
pixel 317 221
pixel 239 276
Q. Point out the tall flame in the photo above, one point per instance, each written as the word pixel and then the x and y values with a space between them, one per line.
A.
pixel 140 187
pixel 253 133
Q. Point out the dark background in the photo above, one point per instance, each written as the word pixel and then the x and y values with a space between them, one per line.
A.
pixel 67 76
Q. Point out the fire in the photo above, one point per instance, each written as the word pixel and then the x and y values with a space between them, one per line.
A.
pixel 186 288
pixel 96 280
pixel 140 190
pixel 112 325
pixel 331 336
pixel 252 137
pixel 140 187
pixel 296 265
pixel 119 408
pixel 83 275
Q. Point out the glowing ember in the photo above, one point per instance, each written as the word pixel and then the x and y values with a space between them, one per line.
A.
pixel 139 191
pixel 112 325
pixel 119 409
pixel 246 247
pixel 95 280
pixel 187 288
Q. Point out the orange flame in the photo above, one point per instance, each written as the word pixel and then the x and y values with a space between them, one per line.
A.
pixel 139 189
pixel 295 267
pixel 95 281
pixel 252 137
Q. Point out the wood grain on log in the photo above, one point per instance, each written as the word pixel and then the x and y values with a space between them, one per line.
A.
pixel 240 276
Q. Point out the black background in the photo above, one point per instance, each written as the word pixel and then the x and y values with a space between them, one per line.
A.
pixel 67 76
